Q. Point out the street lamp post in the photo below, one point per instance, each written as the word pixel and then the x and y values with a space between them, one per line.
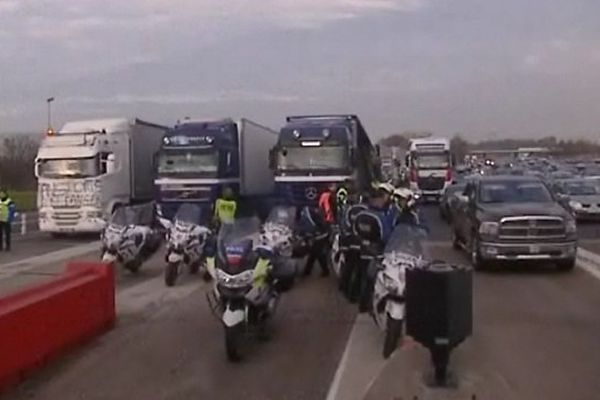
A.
pixel 49 102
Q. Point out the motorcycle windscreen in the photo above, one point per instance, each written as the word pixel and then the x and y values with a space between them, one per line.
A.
pixel 142 215
pixel 235 244
pixel 282 215
pixel 406 239
pixel 191 213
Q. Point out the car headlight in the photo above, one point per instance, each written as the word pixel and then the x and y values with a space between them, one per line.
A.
pixel 571 227
pixel 235 281
pixel 488 228
pixel 575 205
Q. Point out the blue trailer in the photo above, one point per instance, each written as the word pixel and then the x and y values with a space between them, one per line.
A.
pixel 315 151
pixel 199 158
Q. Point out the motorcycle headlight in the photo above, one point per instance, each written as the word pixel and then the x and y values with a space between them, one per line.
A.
pixel 235 281
pixel 488 228
pixel 571 227
pixel 389 283
pixel 575 205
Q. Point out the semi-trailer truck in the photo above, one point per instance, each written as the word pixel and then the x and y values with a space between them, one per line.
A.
pixel 314 151
pixel 199 158
pixel 89 168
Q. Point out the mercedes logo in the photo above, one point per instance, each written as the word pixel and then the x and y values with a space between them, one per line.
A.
pixel 311 193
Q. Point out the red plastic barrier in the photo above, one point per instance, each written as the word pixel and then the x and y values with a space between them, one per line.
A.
pixel 40 323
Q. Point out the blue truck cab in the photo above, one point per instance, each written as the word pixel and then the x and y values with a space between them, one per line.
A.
pixel 314 151
pixel 195 161
pixel 198 159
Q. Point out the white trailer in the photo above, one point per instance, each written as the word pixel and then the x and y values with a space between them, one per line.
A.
pixel 255 141
pixel 88 168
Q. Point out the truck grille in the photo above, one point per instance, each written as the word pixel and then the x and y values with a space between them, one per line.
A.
pixel 431 183
pixel 532 227
pixel 66 218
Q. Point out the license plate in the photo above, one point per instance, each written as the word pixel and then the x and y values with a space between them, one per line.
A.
pixel 534 249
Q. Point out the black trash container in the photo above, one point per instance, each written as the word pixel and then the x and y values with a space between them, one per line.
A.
pixel 439 310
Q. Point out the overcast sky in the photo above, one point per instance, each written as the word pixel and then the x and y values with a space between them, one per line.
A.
pixel 510 68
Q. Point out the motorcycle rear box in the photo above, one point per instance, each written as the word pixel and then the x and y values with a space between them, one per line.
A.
pixel 439 304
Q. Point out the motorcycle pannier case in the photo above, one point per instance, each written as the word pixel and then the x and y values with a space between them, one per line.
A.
pixel 439 302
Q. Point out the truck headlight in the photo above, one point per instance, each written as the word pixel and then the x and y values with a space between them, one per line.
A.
pixel 571 227
pixel 575 205
pixel 488 228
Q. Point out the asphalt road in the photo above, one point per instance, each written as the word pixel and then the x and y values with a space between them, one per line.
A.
pixel 535 337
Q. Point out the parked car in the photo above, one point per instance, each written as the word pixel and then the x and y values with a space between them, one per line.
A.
pixel 513 218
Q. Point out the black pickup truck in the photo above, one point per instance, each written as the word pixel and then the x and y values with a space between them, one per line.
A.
pixel 514 218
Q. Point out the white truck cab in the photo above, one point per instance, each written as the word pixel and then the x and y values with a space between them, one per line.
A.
pixel 430 164
pixel 88 168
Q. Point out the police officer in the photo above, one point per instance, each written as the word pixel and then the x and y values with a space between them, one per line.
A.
pixel 225 207
pixel 314 225
pixel 7 215
pixel 327 203
pixel 405 203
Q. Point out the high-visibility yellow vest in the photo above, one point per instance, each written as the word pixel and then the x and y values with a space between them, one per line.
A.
pixel 5 209
pixel 225 210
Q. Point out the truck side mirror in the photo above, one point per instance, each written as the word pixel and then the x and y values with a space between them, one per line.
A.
pixel 110 163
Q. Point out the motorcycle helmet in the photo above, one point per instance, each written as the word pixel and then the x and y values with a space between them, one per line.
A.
pixel 404 198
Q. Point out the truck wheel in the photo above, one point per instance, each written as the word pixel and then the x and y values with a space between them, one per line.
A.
pixel 393 333
pixel 567 265
pixel 478 263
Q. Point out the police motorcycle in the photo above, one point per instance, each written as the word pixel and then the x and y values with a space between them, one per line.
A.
pixel 278 230
pixel 186 239
pixel 248 283
pixel 129 237
pixel 402 251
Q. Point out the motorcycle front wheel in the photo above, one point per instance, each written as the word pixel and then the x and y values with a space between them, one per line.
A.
pixel 393 333
pixel 134 265
pixel 171 273
pixel 233 339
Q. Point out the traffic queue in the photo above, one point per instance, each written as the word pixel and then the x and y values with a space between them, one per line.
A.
pixel 369 240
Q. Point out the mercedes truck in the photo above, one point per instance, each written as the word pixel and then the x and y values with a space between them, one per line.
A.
pixel 314 151
pixel 89 168
pixel 430 163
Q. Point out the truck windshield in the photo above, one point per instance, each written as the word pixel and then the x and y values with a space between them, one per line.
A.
pixel 514 192
pixel 69 168
pixel 186 161
pixel 313 158
pixel 431 161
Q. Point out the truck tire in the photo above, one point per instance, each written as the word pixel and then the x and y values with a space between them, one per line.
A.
pixel 476 261
pixel 567 265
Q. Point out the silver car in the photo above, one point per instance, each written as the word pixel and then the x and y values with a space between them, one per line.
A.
pixel 584 197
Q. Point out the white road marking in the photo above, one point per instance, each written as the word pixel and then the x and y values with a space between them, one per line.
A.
pixel 361 362
pixel 589 262
pixel 13 268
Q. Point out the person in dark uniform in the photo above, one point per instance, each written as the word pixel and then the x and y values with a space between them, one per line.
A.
pixel 316 228
pixel 7 215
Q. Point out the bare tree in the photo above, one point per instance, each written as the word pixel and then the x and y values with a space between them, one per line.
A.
pixel 17 159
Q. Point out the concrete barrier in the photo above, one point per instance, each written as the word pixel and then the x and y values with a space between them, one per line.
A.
pixel 41 323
